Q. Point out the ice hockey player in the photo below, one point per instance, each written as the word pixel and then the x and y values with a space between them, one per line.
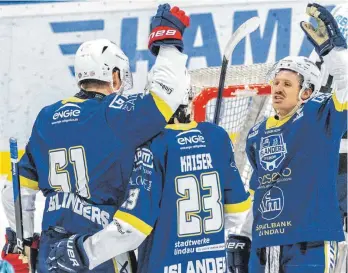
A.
pixel 184 190
pixel 81 150
pixel 340 13
pixel 294 154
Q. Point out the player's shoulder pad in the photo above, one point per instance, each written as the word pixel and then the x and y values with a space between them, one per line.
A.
pixel 317 103
pixel 320 98
pixel 216 133
pixel 212 127
pixel 254 131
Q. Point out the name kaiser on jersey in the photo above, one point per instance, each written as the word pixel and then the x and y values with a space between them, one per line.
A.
pixel 196 162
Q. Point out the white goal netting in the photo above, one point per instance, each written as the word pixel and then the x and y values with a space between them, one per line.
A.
pixel 246 101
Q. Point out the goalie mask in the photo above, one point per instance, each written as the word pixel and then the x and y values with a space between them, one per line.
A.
pixel 308 71
pixel 98 59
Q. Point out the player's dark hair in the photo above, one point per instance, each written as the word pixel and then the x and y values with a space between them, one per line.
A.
pixel 301 78
pixel 181 114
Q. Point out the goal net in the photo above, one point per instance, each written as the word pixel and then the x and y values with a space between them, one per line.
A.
pixel 246 100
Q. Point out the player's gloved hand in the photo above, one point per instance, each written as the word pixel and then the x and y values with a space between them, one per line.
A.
pixel 19 262
pixel 167 28
pixel 238 253
pixel 327 34
pixel 68 255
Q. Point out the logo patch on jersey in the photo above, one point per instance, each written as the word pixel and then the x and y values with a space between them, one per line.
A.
pixel 272 151
pixel 299 114
pixel 190 139
pixel 126 103
pixel 143 156
pixel 66 113
pixel 321 97
pixel 272 203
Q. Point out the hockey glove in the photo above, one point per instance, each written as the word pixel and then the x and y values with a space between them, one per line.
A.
pixel 327 34
pixel 20 262
pixel 167 28
pixel 238 252
pixel 68 255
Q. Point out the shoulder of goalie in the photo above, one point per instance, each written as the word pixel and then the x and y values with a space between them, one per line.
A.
pixel 238 253
pixel 21 263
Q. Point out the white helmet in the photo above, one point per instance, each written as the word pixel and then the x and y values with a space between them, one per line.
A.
pixel 303 66
pixel 96 60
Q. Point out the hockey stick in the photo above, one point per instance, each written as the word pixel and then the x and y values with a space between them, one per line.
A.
pixel 245 29
pixel 17 194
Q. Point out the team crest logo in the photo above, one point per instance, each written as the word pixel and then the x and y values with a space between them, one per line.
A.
pixel 272 151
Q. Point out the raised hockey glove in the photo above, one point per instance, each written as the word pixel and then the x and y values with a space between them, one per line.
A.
pixel 238 253
pixel 68 255
pixel 327 35
pixel 167 28
pixel 19 262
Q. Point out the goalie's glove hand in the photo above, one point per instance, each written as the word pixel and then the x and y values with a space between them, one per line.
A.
pixel 238 253
pixel 19 262
pixel 68 255
pixel 167 28
pixel 327 34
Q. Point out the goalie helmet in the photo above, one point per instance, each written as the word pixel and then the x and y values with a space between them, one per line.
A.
pixel 309 72
pixel 97 60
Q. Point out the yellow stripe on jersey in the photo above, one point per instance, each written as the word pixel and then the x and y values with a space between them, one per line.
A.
pixel 234 137
pixel 330 256
pixel 239 207
pixel 162 106
pixel 339 106
pixel 273 123
pixel 28 183
pixel 72 99
pixel 182 126
pixel 115 265
pixel 134 221
pixel 5 164
pixel 252 192
pixel 327 263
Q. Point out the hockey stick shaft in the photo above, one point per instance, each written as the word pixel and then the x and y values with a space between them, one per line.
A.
pixel 17 193
pixel 245 29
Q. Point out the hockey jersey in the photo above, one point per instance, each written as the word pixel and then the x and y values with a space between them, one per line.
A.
pixel 295 162
pixel 182 187
pixel 80 155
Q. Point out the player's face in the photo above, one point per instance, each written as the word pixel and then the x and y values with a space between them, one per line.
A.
pixel 285 90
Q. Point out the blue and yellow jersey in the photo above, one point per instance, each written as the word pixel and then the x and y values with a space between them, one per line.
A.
pixel 183 184
pixel 80 155
pixel 295 162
